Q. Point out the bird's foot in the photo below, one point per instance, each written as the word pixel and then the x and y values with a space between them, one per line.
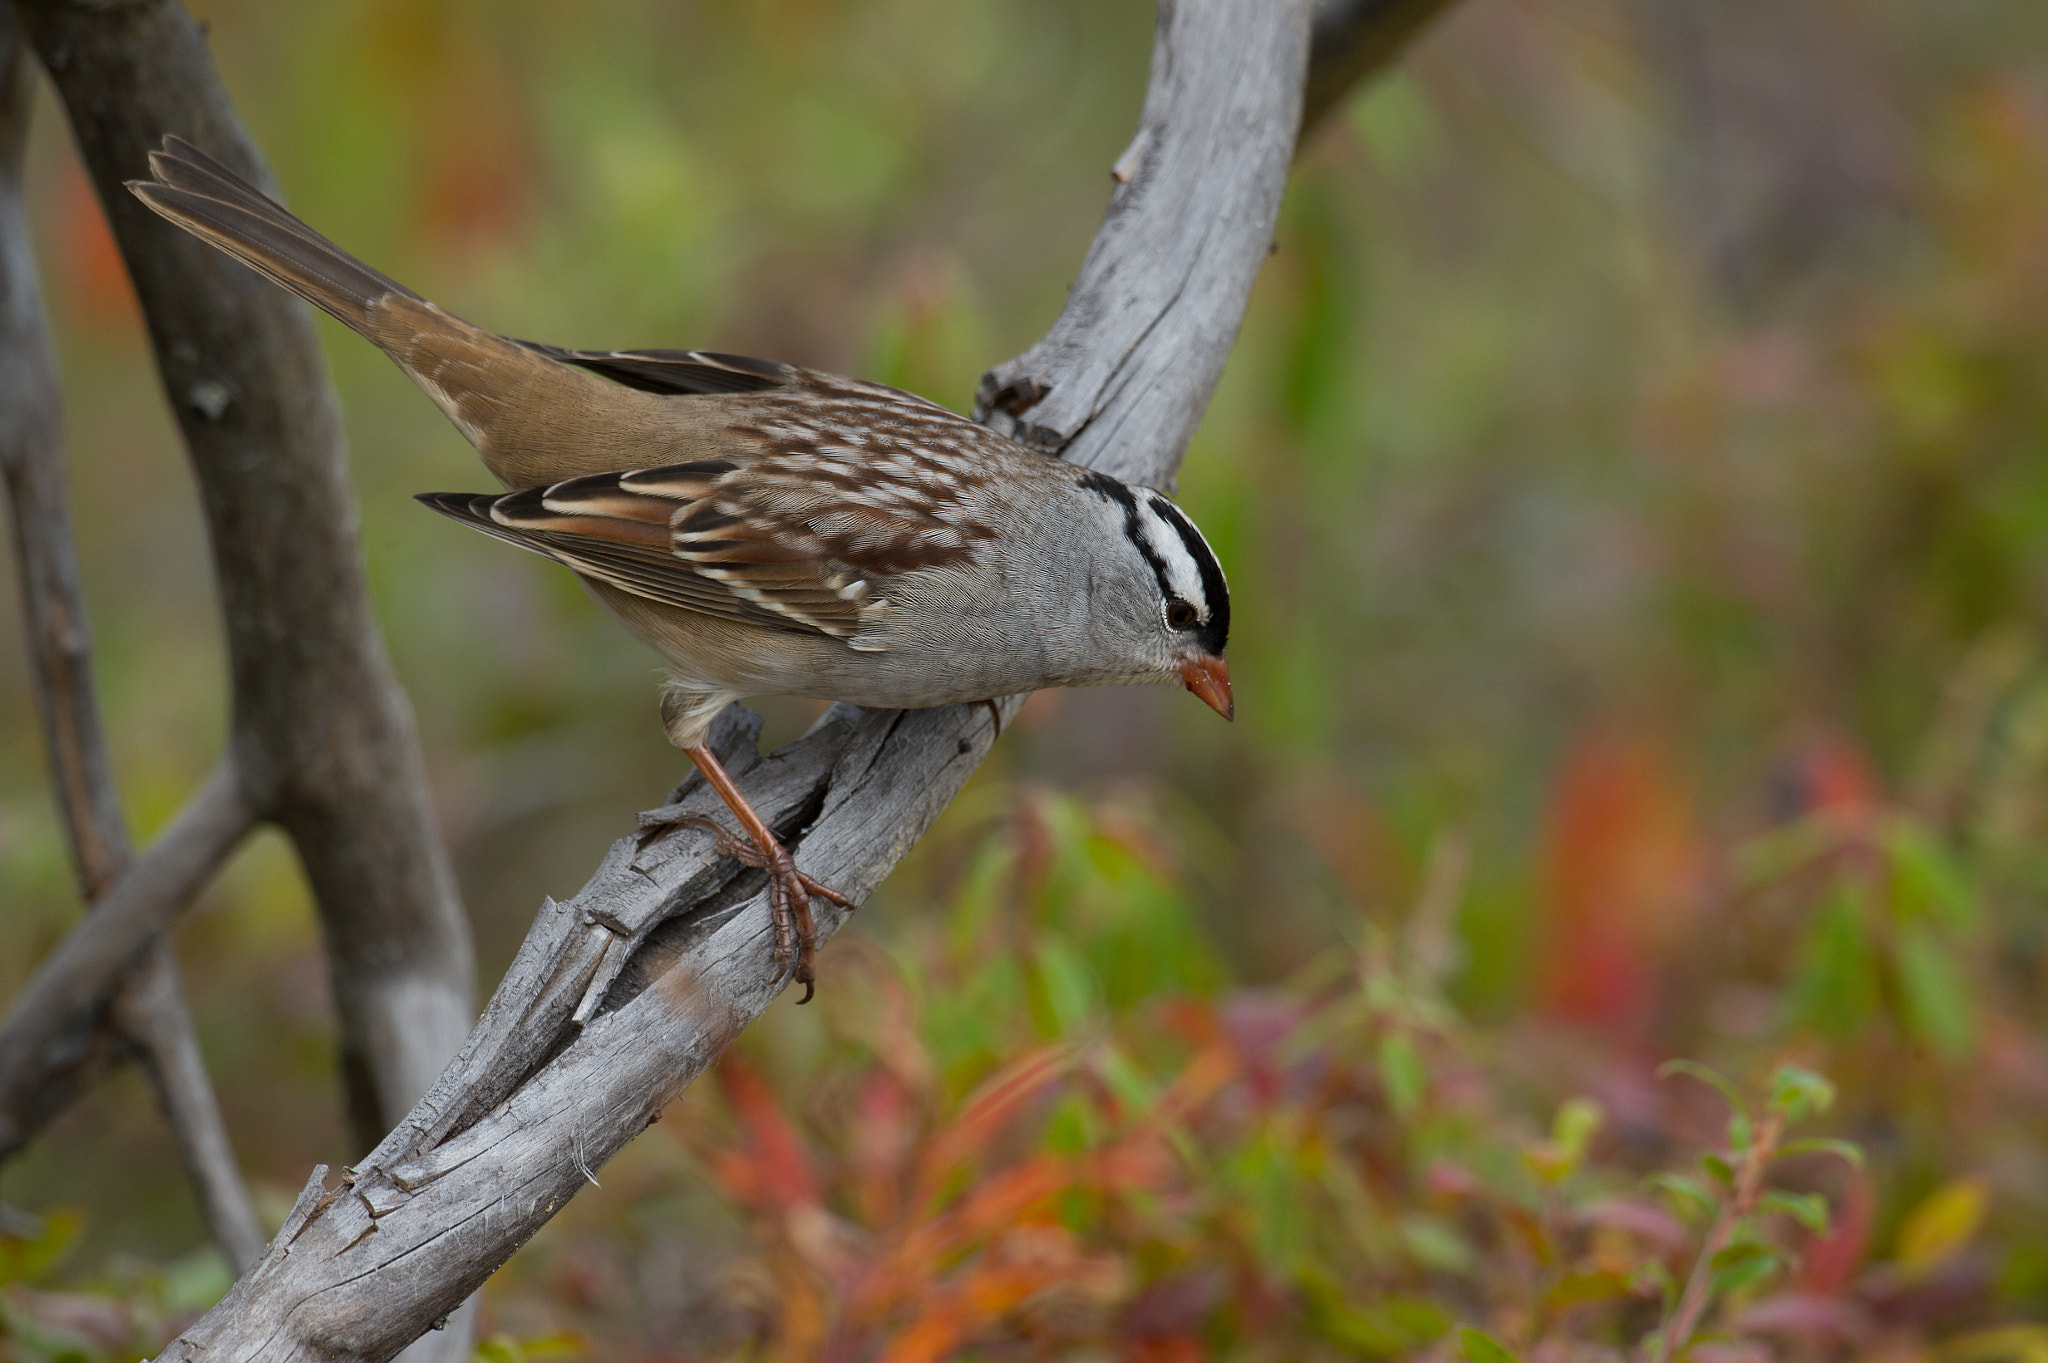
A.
pixel 789 897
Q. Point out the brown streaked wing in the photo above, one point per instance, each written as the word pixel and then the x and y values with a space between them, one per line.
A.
pixel 625 551
pixel 860 483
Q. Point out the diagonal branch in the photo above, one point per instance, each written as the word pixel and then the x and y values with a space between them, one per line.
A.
pixel 61 1006
pixel 625 993
pixel 1351 39
pixel 151 1008
pixel 1100 386
pixel 322 738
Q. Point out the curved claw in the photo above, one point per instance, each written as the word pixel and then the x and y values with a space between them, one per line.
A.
pixel 789 898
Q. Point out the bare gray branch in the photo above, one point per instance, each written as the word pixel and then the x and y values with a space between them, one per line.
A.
pixel 1122 379
pixel 322 740
pixel 151 1008
pixel 624 994
pixel 60 1009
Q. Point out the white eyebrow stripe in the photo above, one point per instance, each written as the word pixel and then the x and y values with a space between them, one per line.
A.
pixel 1183 576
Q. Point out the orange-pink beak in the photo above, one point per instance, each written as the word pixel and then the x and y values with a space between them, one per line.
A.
pixel 1209 678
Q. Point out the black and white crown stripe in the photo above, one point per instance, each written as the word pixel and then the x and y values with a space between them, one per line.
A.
pixel 1179 557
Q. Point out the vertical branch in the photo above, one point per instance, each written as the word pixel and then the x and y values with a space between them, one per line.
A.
pixel 151 1010
pixel 322 736
pixel 1121 380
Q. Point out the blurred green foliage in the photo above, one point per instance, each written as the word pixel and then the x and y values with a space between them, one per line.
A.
pixel 1633 476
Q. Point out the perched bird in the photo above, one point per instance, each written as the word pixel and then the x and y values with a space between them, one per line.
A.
pixel 770 530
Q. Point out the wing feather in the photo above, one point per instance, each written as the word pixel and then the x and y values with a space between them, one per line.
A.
pixel 855 485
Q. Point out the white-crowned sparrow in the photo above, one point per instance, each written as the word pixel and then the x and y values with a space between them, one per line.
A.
pixel 770 529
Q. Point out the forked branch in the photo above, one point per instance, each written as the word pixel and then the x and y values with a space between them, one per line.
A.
pixel 622 995
pixel 322 740
pixel 150 1011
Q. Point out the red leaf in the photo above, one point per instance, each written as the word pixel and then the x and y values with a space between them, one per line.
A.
pixel 1619 880
pixel 1831 1261
pixel 774 1169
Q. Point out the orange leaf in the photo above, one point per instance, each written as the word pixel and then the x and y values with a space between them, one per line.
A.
pixel 986 1111
pixel 1205 1076
pixel 1621 864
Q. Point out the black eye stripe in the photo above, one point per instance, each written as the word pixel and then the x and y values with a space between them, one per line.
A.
pixel 1111 490
pixel 1216 632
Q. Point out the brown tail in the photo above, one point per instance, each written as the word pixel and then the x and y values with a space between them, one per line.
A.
pixel 534 419
pixel 218 206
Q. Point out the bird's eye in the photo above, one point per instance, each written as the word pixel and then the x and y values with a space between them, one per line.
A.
pixel 1180 615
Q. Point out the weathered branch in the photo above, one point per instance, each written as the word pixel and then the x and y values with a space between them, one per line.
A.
pixel 624 994
pixel 60 1007
pixel 1099 387
pixel 151 1008
pixel 322 738
pixel 1122 379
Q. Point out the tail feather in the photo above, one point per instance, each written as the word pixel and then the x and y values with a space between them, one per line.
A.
pixel 213 203
pixel 535 415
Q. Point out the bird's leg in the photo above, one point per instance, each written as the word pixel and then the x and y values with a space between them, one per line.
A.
pixel 995 715
pixel 789 890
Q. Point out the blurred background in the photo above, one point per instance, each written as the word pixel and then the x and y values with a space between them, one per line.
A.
pixel 1633 479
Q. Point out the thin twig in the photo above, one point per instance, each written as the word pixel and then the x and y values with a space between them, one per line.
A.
pixel 1741 1201
pixel 60 1009
pixel 152 1010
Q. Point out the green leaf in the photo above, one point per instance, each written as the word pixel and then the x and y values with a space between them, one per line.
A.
pixel 1740 1134
pixel 1735 1277
pixel 1798 1092
pixel 1480 1347
pixel 1436 1244
pixel 1808 1209
pixel 1688 1194
pixel 1574 1126
pixel 1719 1168
pixel 1739 1266
pixel 1926 883
pixel 1401 1074
pixel 32 1257
pixel 1823 1145
pixel 1655 1277
pixel 1936 992
pixel 498 1348
pixel 1834 988
pixel 1574 1289
pixel 1714 1079
pixel 1067 989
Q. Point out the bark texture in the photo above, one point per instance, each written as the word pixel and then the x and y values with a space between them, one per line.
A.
pixel 322 739
pixel 149 1015
pixel 622 995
